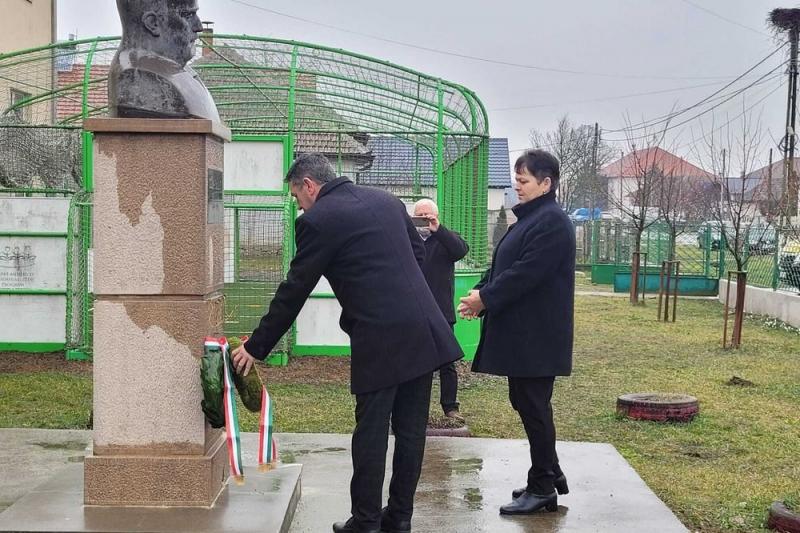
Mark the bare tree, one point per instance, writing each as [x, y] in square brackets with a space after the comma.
[730, 156]
[573, 145]
[682, 195]
[633, 188]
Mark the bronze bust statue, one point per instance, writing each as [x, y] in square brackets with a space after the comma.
[148, 76]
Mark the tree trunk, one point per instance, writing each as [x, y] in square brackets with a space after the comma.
[738, 311]
[635, 260]
[741, 288]
[673, 237]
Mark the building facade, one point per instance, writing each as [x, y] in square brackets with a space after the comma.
[27, 24]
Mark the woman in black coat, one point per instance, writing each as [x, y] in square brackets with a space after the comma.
[526, 300]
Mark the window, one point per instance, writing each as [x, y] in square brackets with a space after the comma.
[17, 97]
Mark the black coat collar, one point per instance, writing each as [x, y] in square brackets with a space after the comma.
[331, 185]
[523, 210]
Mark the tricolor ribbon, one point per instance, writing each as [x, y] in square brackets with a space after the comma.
[232, 434]
[267, 450]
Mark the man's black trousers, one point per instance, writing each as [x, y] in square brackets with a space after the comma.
[406, 405]
[530, 397]
[448, 383]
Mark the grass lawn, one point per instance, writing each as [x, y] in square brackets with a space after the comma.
[718, 473]
[584, 284]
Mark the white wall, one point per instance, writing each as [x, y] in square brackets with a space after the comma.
[318, 321]
[254, 166]
[496, 199]
[619, 192]
[33, 263]
[782, 305]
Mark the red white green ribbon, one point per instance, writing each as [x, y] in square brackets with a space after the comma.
[267, 450]
[232, 434]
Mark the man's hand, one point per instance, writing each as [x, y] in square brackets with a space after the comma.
[242, 361]
[471, 305]
[465, 313]
[433, 222]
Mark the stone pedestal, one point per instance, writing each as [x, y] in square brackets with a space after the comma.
[158, 278]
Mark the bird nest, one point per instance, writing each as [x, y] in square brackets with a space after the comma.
[785, 19]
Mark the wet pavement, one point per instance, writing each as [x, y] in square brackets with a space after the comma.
[463, 483]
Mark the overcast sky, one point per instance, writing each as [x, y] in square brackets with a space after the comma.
[613, 47]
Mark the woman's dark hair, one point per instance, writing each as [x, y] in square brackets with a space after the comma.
[540, 164]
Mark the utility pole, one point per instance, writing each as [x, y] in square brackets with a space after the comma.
[593, 177]
[621, 180]
[770, 197]
[788, 20]
[590, 241]
[791, 175]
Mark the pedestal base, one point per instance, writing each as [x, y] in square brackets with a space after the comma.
[265, 504]
[166, 480]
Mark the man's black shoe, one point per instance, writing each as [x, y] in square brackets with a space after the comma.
[388, 525]
[560, 483]
[351, 527]
[528, 503]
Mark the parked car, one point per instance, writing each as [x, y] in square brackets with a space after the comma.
[711, 227]
[582, 215]
[762, 240]
[789, 264]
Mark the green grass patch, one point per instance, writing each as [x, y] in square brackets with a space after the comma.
[56, 400]
[584, 283]
[718, 473]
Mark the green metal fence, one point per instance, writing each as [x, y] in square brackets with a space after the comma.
[769, 253]
[382, 124]
[80, 301]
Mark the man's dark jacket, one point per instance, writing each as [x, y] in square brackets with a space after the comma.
[363, 241]
[528, 294]
[442, 249]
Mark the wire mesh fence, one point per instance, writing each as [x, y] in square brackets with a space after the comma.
[770, 255]
[39, 158]
[255, 263]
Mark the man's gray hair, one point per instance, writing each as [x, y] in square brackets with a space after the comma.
[314, 166]
[427, 202]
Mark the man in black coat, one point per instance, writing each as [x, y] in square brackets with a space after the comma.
[363, 241]
[526, 300]
[443, 248]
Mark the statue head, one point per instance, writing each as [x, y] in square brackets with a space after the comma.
[168, 28]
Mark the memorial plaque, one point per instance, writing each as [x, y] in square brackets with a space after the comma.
[216, 210]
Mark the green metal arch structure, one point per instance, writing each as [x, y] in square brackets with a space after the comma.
[382, 124]
[322, 98]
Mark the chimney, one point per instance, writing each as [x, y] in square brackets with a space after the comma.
[207, 38]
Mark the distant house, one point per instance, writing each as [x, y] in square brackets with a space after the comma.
[761, 190]
[624, 175]
[500, 182]
[27, 25]
[407, 169]
[69, 104]
[259, 103]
